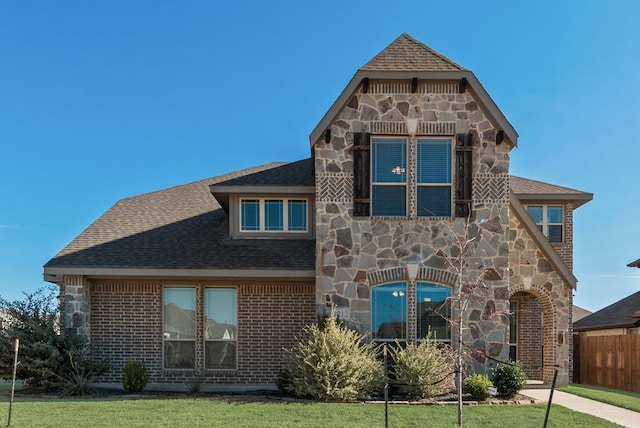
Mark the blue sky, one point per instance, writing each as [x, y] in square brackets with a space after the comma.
[104, 100]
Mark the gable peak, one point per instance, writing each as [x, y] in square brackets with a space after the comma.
[408, 54]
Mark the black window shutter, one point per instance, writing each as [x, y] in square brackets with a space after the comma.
[361, 174]
[464, 169]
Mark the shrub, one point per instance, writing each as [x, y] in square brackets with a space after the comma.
[283, 381]
[194, 385]
[332, 363]
[48, 359]
[478, 386]
[425, 370]
[509, 378]
[84, 369]
[134, 376]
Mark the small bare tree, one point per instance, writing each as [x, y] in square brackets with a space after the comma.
[459, 257]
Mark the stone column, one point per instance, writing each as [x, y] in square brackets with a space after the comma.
[76, 306]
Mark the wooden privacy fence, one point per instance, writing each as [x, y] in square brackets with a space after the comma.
[608, 361]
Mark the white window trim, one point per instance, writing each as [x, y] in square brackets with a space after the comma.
[262, 215]
[232, 340]
[414, 166]
[404, 183]
[452, 173]
[546, 223]
[164, 339]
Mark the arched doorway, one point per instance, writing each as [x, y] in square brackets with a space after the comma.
[531, 335]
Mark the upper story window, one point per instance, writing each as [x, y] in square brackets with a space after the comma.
[389, 177]
[389, 172]
[549, 219]
[434, 178]
[273, 215]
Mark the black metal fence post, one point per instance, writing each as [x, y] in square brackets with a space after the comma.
[553, 386]
[386, 387]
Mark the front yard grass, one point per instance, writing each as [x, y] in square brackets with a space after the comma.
[237, 412]
[624, 399]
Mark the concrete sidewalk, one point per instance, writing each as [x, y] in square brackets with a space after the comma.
[611, 413]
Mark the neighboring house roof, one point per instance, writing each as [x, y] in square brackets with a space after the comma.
[621, 314]
[635, 264]
[577, 313]
[181, 231]
[408, 58]
[532, 190]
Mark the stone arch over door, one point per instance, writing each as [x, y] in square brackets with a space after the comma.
[537, 329]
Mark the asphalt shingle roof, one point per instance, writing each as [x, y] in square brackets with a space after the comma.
[408, 54]
[184, 227]
[619, 314]
[299, 173]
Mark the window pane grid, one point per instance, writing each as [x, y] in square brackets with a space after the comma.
[179, 327]
[549, 219]
[220, 329]
[273, 215]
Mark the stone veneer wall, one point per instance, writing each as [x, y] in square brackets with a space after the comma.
[356, 253]
[532, 273]
[126, 324]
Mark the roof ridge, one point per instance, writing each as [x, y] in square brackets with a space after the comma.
[214, 179]
[406, 53]
[433, 51]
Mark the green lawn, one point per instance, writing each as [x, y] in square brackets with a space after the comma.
[195, 412]
[624, 399]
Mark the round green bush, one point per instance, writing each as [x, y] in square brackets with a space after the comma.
[134, 376]
[478, 386]
[509, 378]
[424, 370]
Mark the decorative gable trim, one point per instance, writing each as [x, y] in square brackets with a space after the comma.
[491, 188]
[424, 128]
[407, 87]
[334, 187]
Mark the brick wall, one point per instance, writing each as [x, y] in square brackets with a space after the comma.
[126, 323]
[565, 249]
[530, 334]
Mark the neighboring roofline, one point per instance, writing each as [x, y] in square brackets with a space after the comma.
[543, 243]
[635, 264]
[606, 326]
[489, 106]
[54, 274]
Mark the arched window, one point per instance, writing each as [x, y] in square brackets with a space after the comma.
[433, 311]
[389, 315]
[389, 311]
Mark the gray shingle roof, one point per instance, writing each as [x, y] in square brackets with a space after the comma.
[182, 227]
[527, 189]
[408, 54]
[299, 173]
[616, 315]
